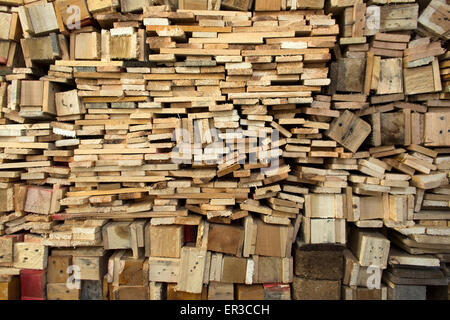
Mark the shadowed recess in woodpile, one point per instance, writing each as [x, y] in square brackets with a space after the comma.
[224, 149]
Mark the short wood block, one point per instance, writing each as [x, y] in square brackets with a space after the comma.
[57, 269]
[181, 295]
[92, 268]
[29, 255]
[226, 238]
[359, 293]
[166, 241]
[406, 292]
[273, 240]
[310, 289]
[132, 273]
[249, 292]
[163, 269]
[321, 261]
[91, 290]
[234, 269]
[10, 288]
[33, 284]
[132, 293]
[277, 291]
[220, 291]
[60, 291]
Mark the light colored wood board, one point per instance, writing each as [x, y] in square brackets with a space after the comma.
[192, 268]
[166, 241]
[390, 80]
[349, 130]
[30, 255]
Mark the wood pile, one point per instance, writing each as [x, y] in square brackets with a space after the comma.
[224, 150]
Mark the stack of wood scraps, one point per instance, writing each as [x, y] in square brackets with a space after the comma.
[225, 150]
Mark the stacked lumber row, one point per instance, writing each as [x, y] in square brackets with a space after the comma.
[32, 180]
[110, 181]
[34, 156]
[391, 73]
[215, 65]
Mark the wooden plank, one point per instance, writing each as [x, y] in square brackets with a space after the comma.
[192, 268]
[349, 130]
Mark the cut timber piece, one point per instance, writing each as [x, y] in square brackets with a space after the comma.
[370, 247]
[33, 283]
[324, 206]
[399, 17]
[163, 269]
[359, 293]
[220, 291]
[392, 128]
[312, 289]
[192, 4]
[277, 291]
[6, 250]
[390, 37]
[435, 19]
[327, 231]
[351, 75]
[254, 206]
[157, 290]
[123, 45]
[437, 126]
[352, 269]
[370, 208]
[398, 208]
[373, 20]
[406, 292]
[95, 5]
[42, 200]
[87, 46]
[9, 288]
[43, 18]
[250, 236]
[234, 270]
[166, 241]
[91, 268]
[167, 57]
[267, 5]
[57, 268]
[66, 8]
[249, 292]
[226, 239]
[403, 258]
[132, 271]
[192, 268]
[131, 293]
[31, 93]
[309, 4]
[349, 130]
[272, 269]
[6, 200]
[39, 94]
[273, 240]
[431, 181]
[390, 79]
[68, 103]
[317, 231]
[29, 255]
[60, 291]
[419, 80]
[173, 294]
[116, 235]
[319, 261]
